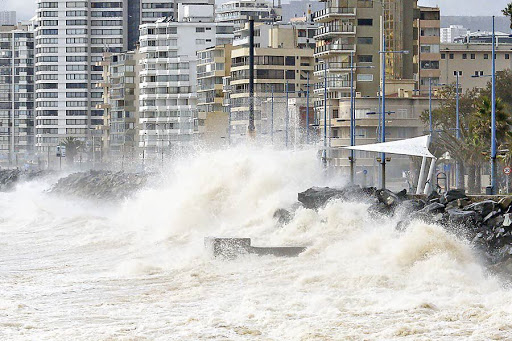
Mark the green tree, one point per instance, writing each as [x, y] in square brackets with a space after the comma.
[73, 146]
[503, 88]
[507, 11]
[472, 149]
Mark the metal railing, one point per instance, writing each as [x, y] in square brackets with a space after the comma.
[335, 47]
[335, 10]
[336, 29]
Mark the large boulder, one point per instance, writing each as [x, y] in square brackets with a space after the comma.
[316, 197]
[483, 208]
[452, 195]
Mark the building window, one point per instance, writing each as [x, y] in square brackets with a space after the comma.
[455, 73]
[443, 56]
[365, 40]
[464, 56]
[199, 29]
[486, 56]
[451, 56]
[473, 56]
[507, 56]
[365, 58]
[365, 22]
[365, 78]
[290, 61]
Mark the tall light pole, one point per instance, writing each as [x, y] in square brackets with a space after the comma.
[383, 108]
[430, 105]
[459, 180]
[352, 120]
[324, 154]
[287, 114]
[307, 110]
[493, 114]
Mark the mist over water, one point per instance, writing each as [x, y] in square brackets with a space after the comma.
[72, 269]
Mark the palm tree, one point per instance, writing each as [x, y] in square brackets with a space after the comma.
[481, 130]
[507, 11]
[73, 146]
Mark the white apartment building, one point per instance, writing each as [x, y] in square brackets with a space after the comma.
[168, 76]
[70, 38]
[238, 12]
[448, 34]
[16, 94]
[7, 18]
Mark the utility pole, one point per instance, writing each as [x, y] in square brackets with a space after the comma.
[307, 110]
[272, 114]
[287, 117]
[352, 121]
[430, 105]
[324, 154]
[383, 123]
[459, 178]
[251, 127]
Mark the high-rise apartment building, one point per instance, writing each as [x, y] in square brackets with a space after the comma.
[16, 94]
[282, 69]
[168, 77]
[238, 12]
[351, 39]
[8, 18]
[121, 104]
[427, 54]
[71, 38]
[213, 65]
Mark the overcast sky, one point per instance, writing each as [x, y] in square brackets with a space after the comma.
[26, 8]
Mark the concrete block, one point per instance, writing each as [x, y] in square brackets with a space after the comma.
[232, 247]
[227, 247]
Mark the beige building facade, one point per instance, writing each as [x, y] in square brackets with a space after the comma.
[213, 65]
[120, 104]
[473, 63]
[350, 41]
[282, 70]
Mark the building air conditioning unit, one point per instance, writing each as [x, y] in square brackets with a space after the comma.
[359, 94]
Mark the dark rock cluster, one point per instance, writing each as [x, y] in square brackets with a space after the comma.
[487, 223]
[100, 184]
[10, 177]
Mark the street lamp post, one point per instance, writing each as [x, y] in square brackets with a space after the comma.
[352, 120]
[307, 110]
[493, 114]
[383, 108]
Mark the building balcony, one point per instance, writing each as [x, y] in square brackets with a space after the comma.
[331, 13]
[103, 106]
[333, 85]
[334, 31]
[332, 67]
[334, 49]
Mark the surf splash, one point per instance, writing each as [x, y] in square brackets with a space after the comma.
[78, 269]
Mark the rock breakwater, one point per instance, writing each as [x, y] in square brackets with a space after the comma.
[100, 184]
[10, 177]
[486, 223]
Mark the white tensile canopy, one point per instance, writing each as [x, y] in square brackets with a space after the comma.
[417, 146]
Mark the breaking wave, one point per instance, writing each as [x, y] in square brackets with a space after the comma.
[77, 269]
